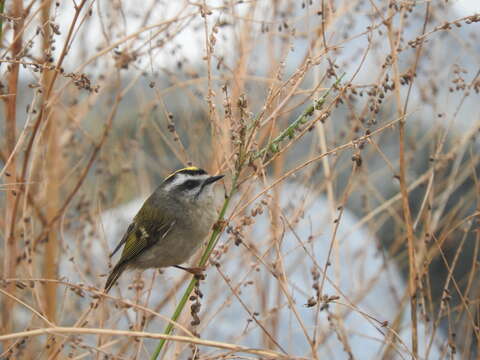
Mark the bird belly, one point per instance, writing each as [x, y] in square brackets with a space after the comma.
[172, 250]
[179, 244]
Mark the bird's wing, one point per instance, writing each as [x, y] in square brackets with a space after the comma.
[124, 238]
[143, 238]
[149, 226]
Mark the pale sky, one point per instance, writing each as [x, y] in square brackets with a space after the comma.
[468, 7]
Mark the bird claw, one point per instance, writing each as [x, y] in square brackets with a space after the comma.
[197, 271]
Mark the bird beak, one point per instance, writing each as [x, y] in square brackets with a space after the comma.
[212, 179]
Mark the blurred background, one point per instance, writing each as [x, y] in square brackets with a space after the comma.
[348, 133]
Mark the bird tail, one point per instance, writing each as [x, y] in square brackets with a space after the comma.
[114, 275]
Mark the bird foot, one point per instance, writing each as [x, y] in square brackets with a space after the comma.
[198, 271]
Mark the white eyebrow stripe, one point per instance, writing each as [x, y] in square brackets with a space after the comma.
[178, 179]
[181, 178]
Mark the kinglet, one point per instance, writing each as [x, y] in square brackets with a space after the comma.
[171, 224]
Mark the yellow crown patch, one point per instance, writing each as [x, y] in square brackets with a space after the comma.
[193, 170]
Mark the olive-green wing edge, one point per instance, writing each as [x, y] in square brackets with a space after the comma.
[133, 248]
[135, 244]
[124, 239]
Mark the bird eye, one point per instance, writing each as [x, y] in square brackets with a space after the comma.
[190, 184]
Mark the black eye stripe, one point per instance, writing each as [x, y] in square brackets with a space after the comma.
[188, 185]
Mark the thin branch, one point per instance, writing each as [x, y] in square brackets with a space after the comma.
[183, 339]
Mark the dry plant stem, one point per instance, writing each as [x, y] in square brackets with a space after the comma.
[439, 243]
[143, 322]
[35, 312]
[10, 246]
[205, 12]
[59, 213]
[351, 302]
[275, 287]
[459, 292]
[474, 267]
[457, 165]
[26, 21]
[82, 320]
[289, 132]
[27, 154]
[56, 349]
[228, 299]
[410, 237]
[53, 169]
[100, 349]
[277, 233]
[250, 313]
[421, 179]
[48, 91]
[334, 234]
[451, 268]
[96, 294]
[305, 129]
[7, 160]
[314, 160]
[329, 181]
[298, 77]
[177, 146]
[142, 334]
[412, 280]
[283, 287]
[412, 275]
[203, 261]
[85, 171]
[123, 40]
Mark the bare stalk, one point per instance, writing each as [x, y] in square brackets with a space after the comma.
[10, 245]
[52, 171]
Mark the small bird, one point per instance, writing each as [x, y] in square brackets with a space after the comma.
[171, 224]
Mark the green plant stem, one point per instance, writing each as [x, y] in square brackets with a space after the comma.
[205, 256]
[289, 132]
[272, 146]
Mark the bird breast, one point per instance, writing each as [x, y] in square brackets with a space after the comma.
[191, 225]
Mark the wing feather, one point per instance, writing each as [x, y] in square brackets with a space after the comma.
[149, 226]
[124, 239]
